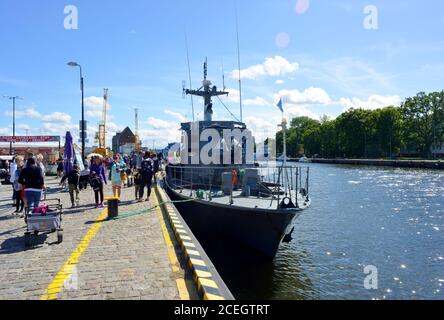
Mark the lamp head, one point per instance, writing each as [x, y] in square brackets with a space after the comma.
[73, 64]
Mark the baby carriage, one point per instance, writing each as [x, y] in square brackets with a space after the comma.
[47, 218]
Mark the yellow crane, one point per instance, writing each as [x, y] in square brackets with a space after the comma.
[102, 127]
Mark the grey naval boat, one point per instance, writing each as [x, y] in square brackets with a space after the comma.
[249, 205]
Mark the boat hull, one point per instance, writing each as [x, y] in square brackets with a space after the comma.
[257, 232]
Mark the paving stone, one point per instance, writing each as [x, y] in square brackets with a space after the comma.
[127, 258]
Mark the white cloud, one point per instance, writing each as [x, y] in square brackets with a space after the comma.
[5, 131]
[263, 126]
[258, 101]
[161, 136]
[29, 112]
[273, 67]
[112, 127]
[373, 102]
[309, 96]
[349, 75]
[294, 111]
[58, 128]
[32, 112]
[158, 123]
[279, 82]
[58, 117]
[180, 117]
[233, 97]
[23, 126]
[94, 106]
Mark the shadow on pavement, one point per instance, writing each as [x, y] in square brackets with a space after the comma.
[17, 244]
[12, 231]
[7, 217]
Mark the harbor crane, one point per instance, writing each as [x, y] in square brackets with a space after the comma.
[102, 127]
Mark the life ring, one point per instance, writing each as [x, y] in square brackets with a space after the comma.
[234, 178]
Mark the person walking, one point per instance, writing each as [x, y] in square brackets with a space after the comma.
[137, 183]
[139, 160]
[98, 178]
[32, 178]
[39, 159]
[146, 172]
[73, 184]
[134, 160]
[156, 165]
[12, 170]
[60, 168]
[117, 175]
[19, 203]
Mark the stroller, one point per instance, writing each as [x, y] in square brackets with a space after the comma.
[45, 219]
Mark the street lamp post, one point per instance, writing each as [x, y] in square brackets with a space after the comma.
[13, 120]
[75, 64]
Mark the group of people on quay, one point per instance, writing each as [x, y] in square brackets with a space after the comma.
[27, 177]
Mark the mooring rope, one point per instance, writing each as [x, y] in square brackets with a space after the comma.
[131, 214]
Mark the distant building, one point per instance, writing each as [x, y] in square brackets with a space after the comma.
[124, 142]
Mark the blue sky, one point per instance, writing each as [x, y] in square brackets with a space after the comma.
[316, 54]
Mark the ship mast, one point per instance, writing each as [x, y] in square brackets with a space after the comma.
[207, 92]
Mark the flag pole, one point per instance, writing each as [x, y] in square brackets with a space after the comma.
[284, 128]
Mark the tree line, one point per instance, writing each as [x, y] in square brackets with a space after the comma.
[415, 128]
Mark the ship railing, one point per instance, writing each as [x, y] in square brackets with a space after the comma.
[286, 186]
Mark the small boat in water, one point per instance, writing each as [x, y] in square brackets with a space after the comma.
[304, 159]
[241, 202]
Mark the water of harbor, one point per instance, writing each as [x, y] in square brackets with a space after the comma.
[392, 219]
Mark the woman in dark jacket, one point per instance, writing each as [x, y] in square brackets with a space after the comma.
[98, 178]
[32, 178]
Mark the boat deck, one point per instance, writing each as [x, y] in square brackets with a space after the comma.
[239, 200]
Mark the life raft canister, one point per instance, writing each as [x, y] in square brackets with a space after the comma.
[234, 178]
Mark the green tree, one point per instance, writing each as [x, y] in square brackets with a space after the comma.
[388, 125]
[355, 131]
[329, 139]
[423, 117]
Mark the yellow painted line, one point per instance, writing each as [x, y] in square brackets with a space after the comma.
[183, 291]
[188, 244]
[197, 262]
[202, 274]
[209, 296]
[193, 252]
[208, 283]
[202, 278]
[68, 268]
[180, 283]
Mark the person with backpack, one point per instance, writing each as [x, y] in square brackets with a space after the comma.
[98, 178]
[156, 165]
[32, 178]
[146, 172]
[73, 184]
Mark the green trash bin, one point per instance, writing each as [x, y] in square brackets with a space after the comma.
[113, 207]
